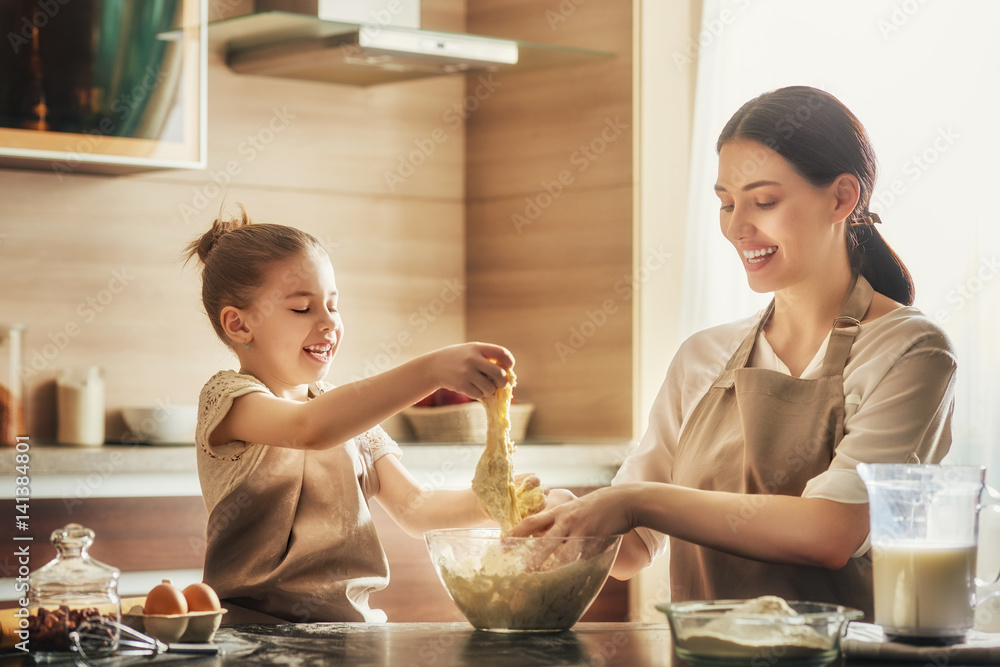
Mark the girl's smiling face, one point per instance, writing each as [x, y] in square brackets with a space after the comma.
[295, 325]
[781, 225]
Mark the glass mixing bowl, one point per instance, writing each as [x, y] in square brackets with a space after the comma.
[723, 633]
[521, 584]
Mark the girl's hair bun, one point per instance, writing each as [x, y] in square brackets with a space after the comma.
[235, 257]
[204, 244]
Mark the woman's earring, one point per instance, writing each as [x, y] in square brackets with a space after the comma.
[246, 346]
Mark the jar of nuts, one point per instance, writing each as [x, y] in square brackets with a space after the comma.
[69, 591]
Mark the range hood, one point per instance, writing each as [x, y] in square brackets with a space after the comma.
[303, 44]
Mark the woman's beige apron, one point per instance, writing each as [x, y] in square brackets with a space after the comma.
[758, 431]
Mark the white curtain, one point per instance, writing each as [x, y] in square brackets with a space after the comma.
[923, 78]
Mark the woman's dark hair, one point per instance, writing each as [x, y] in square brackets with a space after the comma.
[822, 139]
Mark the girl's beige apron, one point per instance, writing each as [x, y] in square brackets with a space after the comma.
[758, 431]
[297, 543]
[294, 539]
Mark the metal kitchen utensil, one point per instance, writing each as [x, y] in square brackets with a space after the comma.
[94, 641]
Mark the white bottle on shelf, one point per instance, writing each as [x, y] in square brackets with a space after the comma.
[80, 401]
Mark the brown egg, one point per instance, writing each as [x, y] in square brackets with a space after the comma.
[165, 599]
[202, 597]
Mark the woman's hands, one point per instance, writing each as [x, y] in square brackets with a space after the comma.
[790, 530]
[605, 511]
[474, 369]
[524, 480]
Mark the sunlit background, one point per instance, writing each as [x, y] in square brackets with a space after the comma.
[922, 78]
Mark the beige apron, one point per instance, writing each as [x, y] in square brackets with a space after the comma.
[758, 431]
[295, 540]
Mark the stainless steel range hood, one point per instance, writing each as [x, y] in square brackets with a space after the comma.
[304, 46]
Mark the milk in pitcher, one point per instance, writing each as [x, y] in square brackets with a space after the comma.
[924, 589]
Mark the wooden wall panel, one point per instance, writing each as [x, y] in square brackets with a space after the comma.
[550, 217]
[559, 294]
[395, 252]
[446, 15]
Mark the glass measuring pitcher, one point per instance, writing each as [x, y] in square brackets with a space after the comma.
[925, 535]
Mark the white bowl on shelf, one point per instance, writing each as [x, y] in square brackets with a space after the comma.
[162, 424]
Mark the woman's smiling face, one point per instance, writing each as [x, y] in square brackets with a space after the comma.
[778, 221]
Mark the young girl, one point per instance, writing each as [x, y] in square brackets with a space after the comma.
[288, 463]
[748, 464]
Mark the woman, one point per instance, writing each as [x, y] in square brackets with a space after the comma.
[748, 464]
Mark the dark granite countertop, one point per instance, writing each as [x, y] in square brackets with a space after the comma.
[414, 645]
[437, 645]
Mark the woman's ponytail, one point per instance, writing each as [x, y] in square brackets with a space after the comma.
[872, 257]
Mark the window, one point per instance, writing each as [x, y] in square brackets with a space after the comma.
[922, 77]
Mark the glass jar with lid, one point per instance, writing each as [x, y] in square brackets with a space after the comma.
[11, 384]
[68, 591]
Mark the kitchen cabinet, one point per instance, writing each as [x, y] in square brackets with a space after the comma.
[128, 94]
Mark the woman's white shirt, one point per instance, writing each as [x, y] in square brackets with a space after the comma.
[899, 387]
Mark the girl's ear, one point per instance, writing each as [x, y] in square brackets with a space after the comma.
[234, 325]
[846, 191]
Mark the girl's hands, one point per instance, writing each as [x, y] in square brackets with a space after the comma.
[474, 369]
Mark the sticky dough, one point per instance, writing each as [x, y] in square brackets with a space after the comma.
[493, 482]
